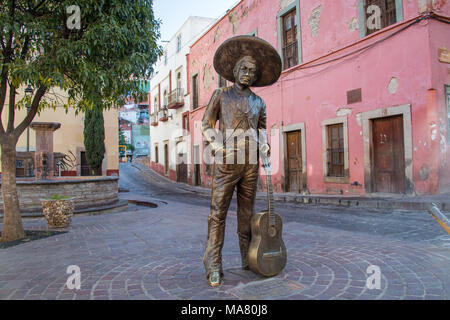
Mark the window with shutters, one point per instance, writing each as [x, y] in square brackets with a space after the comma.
[195, 91]
[289, 39]
[335, 150]
[375, 15]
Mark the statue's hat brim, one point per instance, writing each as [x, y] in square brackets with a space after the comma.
[268, 61]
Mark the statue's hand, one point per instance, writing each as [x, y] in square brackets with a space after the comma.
[218, 148]
[265, 150]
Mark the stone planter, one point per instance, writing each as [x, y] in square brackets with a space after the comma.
[58, 212]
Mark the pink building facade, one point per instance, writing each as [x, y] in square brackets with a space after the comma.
[362, 104]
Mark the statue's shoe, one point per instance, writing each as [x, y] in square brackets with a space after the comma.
[215, 279]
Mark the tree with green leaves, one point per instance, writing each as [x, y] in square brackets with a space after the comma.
[94, 138]
[98, 52]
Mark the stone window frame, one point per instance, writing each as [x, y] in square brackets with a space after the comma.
[362, 16]
[78, 152]
[185, 115]
[156, 149]
[294, 5]
[166, 143]
[325, 124]
[165, 98]
[179, 72]
[284, 130]
[367, 116]
[155, 105]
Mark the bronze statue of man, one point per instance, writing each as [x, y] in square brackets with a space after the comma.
[246, 61]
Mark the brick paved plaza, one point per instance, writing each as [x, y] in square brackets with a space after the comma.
[156, 253]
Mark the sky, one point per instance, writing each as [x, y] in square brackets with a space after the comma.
[173, 13]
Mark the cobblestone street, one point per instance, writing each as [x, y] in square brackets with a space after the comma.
[156, 253]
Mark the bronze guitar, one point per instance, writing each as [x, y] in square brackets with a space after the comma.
[267, 253]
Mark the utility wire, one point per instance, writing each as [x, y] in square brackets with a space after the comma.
[360, 50]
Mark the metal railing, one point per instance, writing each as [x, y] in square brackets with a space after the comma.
[176, 97]
[163, 114]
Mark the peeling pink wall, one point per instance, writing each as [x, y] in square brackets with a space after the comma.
[312, 95]
[439, 38]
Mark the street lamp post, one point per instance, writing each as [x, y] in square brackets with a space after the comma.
[28, 93]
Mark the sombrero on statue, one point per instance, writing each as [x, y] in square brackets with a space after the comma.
[267, 59]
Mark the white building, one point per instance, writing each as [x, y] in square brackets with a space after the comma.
[170, 102]
[129, 112]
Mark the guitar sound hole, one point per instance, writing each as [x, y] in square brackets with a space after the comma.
[272, 231]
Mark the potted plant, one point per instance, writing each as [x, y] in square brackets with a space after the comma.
[58, 210]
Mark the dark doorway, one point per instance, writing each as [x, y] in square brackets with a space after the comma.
[166, 158]
[294, 161]
[85, 170]
[388, 155]
[182, 175]
[197, 167]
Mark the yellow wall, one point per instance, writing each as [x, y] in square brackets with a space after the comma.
[70, 135]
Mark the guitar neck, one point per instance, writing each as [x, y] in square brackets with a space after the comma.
[270, 196]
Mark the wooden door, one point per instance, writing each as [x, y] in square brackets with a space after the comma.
[182, 169]
[85, 169]
[294, 161]
[388, 156]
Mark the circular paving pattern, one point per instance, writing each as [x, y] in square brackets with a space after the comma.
[157, 254]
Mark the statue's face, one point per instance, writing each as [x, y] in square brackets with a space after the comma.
[245, 74]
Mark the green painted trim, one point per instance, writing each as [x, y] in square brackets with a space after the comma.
[362, 18]
[280, 40]
[254, 32]
[299, 33]
[362, 15]
[295, 5]
[399, 10]
[288, 8]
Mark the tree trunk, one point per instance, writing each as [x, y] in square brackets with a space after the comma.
[12, 220]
